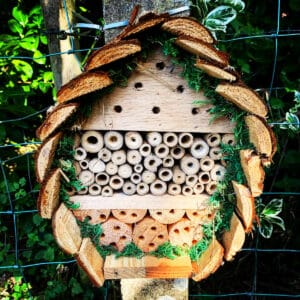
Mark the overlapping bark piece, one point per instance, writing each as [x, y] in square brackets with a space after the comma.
[216, 71]
[44, 156]
[233, 240]
[112, 52]
[185, 233]
[148, 234]
[245, 206]
[91, 262]
[189, 27]
[48, 199]
[253, 171]
[262, 137]
[243, 97]
[116, 233]
[55, 119]
[95, 216]
[167, 216]
[204, 50]
[83, 84]
[201, 216]
[66, 230]
[209, 261]
[129, 215]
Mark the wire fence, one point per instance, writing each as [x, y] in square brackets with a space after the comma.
[14, 213]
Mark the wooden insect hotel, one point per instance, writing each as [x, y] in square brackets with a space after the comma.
[139, 172]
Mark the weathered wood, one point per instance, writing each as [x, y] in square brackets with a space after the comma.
[66, 66]
[156, 98]
[122, 201]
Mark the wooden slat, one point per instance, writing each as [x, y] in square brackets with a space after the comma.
[147, 267]
[121, 201]
[163, 89]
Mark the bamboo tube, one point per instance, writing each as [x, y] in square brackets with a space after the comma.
[178, 175]
[84, 190]
[77, 167]
[148, 234]
[96, 165]
[191, 180]
[170, 139]
[184, 233]
[204, 177]
[118, 157]
[104, 154]
[116, 182]
[168, 161]
[129, 188]
[107, 191]
[206, 164]
[136, 178]
[199, 148]
[133, 140]
[125, 171]
[185, 140]
[95, 216]
[154, 138]
[161, 150]
[84, 164]
[203, 216]
[148, 177]
[129, 216]
[217, 173]
[94, 189]
[142, 188]
[211, 187]
[92, 141]
[187, 190]
[102, 178]
[113, 140]
[116, 233]
[77, 140]
[177, 152]
[145, 149]
[80, 154]
[228, 138]
[213, 139]
[189, 165]
[174, 189]
[166, 216]
[158, 187]
[138, 168]
[111, 168]
[152, 162]
[215, 153]
[134, 157]
[165, 174]
[86, 177]
[198, 188]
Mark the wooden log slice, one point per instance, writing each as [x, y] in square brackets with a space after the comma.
[185, 233]
[116, 233]
[129, 216]
[94, 216]
[201, 216]
[167, 216]
[148, 234]
[91, 262]
[66, 230]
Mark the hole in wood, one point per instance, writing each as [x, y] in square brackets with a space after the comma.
[180, 88]
[195, 110]
[172, 211]
[123, 213]
[134, 215]
[158, 185]
[209, 215]
[159, 213]
[123, 237]
[113, 139]
[190, 164]
[195, 214]
[151, 245]
[176, 231]
[117, 227]
[153, 228]
[187, 229]
[194, 242]
[151, 162]
[116, 181]
[141, 237]
[156, 110]
[118, 108]
[176, 150]
[102, 217]
[160, 236]
[138, 85]
[113, 245]
[205, 177]
[160, 65]
[102, 235]
[92, 140]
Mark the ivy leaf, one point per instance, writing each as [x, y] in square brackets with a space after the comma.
[23, 67]
[39, 58]
[20, 16]
[239, 5]
[292, 120]
[30, 43]
[273, 208]
[279, 222]
[265, 228]
[15, 26]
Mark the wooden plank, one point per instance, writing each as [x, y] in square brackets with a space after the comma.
[155, 100]
[147, 267]
[122, 201]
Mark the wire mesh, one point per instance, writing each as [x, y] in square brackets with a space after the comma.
[14, 213]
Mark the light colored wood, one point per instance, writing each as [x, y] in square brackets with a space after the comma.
[147, 267]
[162, 90]
[121, 201]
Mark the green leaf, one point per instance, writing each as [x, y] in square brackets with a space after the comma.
[20, 16]
[48, 76]
[23, 67]
[30, 43]
[43, 40]
[39, 58]
[75, 287]
[279, 222]
[35, 11]
[273, 208]
[14, 26]
[239, 5]
[49, 254]
[292, 120]
[265, 228]
[276, 103]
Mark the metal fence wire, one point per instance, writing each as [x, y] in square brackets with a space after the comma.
[11, 213]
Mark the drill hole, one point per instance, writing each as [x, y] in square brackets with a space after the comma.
[180, 88]
[138, 85]
[160, 65]
[118, 108]
[156, 110]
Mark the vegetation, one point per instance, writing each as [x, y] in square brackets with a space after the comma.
[27, 88]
